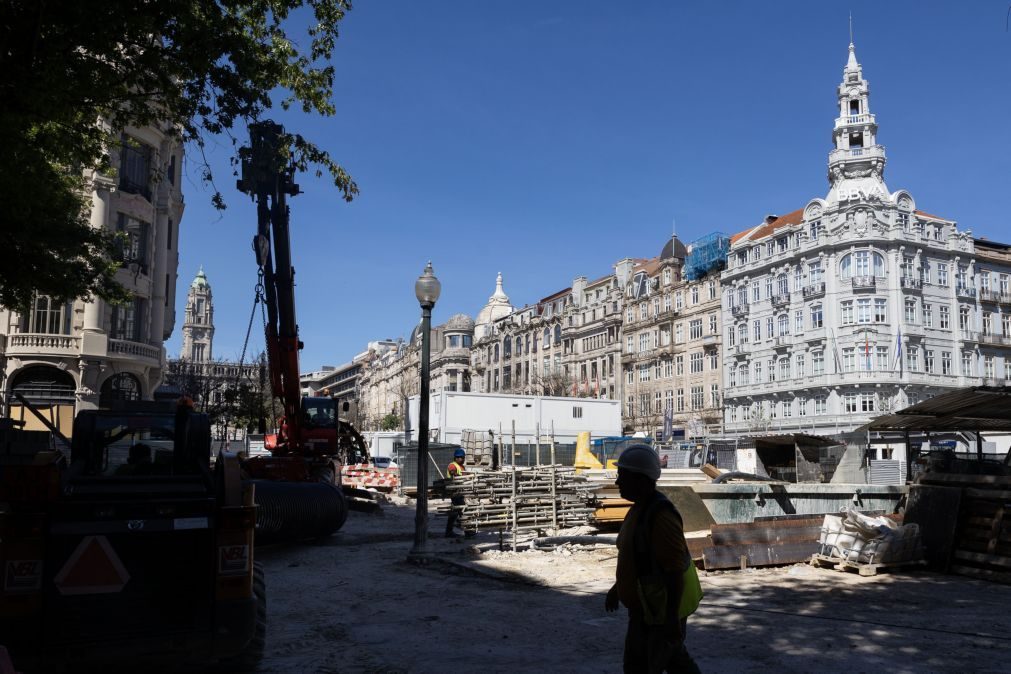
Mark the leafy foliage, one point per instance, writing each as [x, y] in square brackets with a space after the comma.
[74, 73]
[390, 422]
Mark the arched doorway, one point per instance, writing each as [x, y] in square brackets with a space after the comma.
[119, 387]
[50, 390]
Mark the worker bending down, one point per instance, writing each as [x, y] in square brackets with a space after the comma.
[655, 579]
[456, 469]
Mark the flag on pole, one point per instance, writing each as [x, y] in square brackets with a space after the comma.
[835, 353]
[897, 363]
[668, 424]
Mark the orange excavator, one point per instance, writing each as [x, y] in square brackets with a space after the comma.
[312, 441]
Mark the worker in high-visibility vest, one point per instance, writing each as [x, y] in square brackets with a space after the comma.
[655, 578]
[456, 469]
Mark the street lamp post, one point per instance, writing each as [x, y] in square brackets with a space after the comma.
[426, 289]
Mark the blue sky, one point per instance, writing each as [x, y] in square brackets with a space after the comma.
[547, 140]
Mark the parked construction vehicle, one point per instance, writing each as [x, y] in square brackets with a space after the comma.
[134, 553]
[300, 482]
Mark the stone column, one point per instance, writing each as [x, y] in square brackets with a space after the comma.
[100, 219]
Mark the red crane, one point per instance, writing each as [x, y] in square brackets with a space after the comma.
[311, 440]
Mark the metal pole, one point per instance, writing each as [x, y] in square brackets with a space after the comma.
[421, 513]
[537, 430]
[500, 457]
[554, 498]
[515, 523]
[979, 452]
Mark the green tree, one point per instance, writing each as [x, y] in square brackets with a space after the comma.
[74, 73]
[390, 422]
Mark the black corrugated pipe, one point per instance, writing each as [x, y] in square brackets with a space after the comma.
[293, 511]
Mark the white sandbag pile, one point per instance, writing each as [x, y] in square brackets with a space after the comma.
[859, 538]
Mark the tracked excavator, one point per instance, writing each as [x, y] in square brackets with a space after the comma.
[299, 485]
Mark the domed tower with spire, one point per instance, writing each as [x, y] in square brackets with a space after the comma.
[198, 325]
[498, 306]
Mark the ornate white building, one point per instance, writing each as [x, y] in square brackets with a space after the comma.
[86, 354]
[858, 303]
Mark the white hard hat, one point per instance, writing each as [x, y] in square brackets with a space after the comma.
[641, 459]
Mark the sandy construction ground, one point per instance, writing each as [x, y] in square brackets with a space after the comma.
[352, 603]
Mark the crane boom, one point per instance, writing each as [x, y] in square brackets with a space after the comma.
[268, 178]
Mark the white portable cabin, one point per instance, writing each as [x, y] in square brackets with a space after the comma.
[452, 412]
[381, 442]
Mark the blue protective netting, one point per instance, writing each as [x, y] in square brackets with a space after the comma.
[706, 254]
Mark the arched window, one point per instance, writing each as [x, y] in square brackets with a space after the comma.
[44, 385]
[507, 347]
[862, 263]
[519, 346]
[547, 337]
[558, 334]
[783, 325]
[122, 386]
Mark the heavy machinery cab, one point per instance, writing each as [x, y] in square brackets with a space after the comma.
[136, 549]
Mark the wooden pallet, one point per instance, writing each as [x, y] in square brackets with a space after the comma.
[864, 569]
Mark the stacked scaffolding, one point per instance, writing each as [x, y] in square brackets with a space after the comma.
[706, 255]
[515, 499]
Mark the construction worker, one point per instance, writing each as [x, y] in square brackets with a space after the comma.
[456, 469]
[655, 578]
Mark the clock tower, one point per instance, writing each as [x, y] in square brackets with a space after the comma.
[198, 326]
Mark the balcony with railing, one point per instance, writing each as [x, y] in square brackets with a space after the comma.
[994, 338]
[863, 282]
[781, 300]
[814, 290]
[32, 343]
[872, 152]
[965, 292]
[911, 283]
[988, 295]
[125, 347]
[847, 120]
[969, 336]
[782, 341]
[739, 310]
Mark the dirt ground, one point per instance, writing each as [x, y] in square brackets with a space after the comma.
[352, 603]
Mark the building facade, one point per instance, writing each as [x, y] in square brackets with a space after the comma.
[391, 375]
[859, 303]
[671, 357]
[88, 354]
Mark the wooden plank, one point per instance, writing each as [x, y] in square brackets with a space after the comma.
[985, 574]
[729, 556]
[981, 558]
[935, 510]
[766, 536]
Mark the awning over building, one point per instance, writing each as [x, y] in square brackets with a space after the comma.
[977, 408]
